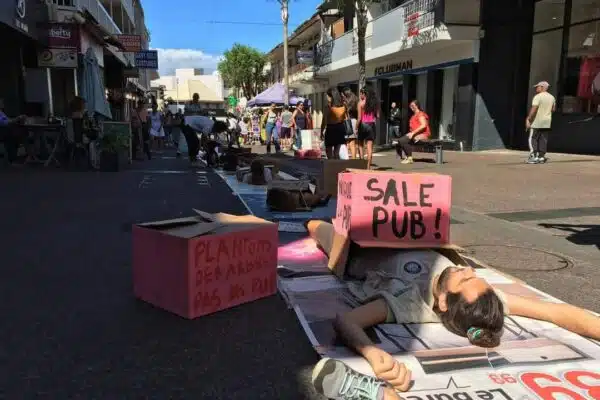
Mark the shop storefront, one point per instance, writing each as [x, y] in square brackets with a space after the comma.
[19, 22]
[565, 51]
[429, 74]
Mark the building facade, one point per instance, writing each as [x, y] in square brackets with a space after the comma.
[19, 28]
[45, 45]
[471, 64]
[179, 88]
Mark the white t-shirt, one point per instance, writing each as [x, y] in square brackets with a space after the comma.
[544, 102]
[404, 279]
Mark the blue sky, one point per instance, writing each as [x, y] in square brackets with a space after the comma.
[194, 33]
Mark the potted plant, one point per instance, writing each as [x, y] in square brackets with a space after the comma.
[112, 147]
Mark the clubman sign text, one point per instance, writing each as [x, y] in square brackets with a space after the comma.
[396, 67]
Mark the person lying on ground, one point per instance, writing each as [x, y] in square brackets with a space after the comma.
[259, 174]
[432, 289]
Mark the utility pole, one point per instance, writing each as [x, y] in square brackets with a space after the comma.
[286, 78]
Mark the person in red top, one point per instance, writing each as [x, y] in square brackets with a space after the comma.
[419, 130]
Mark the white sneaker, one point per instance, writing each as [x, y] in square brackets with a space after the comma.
[335, 380]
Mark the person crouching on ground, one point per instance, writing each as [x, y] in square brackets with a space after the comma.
[419, 130]
[436, 290]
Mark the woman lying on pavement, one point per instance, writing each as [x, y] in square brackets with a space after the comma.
[431, 289]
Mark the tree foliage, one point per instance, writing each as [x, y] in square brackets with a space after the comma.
[242, 68]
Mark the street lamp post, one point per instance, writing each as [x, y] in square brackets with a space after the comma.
[286, 79]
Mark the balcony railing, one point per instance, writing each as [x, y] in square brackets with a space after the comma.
[96, 9]
[403, 22]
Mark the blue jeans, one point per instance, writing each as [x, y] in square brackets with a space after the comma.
[298, 141]
[271, 131]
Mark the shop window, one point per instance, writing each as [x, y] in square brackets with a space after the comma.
[581, 85]
[548, 14]
[545, 60]
[584, 10]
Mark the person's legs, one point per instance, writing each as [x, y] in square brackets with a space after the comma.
[268, 133]
[351, 143]
[369, 153]
[406, 146]
[530, 142]
[336, 151]
[298, 139]
[193, 144]
[542, 145]
[334, 245]
[400, 143]
[535, 146]
[360, 147]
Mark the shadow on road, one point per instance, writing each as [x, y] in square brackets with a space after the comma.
[585, 235]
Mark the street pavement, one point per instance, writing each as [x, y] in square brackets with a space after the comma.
[72, 328]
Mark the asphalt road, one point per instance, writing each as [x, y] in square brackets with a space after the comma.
[71, 327]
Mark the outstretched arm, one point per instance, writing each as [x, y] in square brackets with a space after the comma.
[351, 329]
[567, 316]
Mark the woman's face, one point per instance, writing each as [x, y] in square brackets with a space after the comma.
[329, 99]
[363, 95]
[413, 107]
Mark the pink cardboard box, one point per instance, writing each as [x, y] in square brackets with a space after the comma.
[393, 209]
[203, 264]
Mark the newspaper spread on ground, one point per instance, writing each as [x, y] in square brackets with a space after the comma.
[535, 359]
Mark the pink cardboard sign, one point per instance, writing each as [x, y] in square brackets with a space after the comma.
[385, 209]
[194, 275]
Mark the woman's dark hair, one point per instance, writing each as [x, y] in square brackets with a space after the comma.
[371, 103]
[257, 173]
[481, 321]
[77, 104]
[336, 97]
[417, 104]
[351, 100]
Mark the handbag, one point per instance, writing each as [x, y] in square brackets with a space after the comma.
[348, 127]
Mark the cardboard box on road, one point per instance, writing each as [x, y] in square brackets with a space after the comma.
[206, 263]
[327, 180]
[394, 209]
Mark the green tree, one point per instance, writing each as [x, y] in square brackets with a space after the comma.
[242, 68]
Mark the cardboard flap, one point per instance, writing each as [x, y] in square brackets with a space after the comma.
[170, 223]
[187, 227]
[291, 185]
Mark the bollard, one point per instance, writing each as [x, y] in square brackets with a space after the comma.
[439, 154]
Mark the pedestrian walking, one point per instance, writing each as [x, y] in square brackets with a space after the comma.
[368, 112]
[539, 122]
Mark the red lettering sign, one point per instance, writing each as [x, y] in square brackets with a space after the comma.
[574, 384]
[225, 271]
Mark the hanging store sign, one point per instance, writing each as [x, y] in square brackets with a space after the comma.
[395, 67]
[305, 57]
[62, 36]
[147, 59]
[21, 14]
[57, 58]
[130, 43]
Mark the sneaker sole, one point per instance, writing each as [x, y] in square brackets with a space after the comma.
[323, 368]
